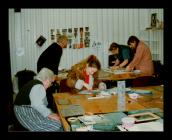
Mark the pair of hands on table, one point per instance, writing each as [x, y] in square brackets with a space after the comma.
[129, 69]
[114, 67]
[102, 86]
[87, 86]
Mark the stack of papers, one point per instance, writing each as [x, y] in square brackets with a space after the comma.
[92, 119]
[148, 126]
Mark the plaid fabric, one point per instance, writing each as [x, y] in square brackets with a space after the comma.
[34, 121]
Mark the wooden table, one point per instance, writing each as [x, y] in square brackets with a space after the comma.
[104, 76]
[109, 104]
[152, 101]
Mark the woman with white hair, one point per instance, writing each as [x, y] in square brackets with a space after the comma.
[30, 105]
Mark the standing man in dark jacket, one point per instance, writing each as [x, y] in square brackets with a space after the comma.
[50, 59]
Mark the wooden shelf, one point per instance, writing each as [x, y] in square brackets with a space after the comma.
[153, 29]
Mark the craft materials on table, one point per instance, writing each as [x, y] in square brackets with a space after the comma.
[63, 102]
[147, 126]
[139, 91]
[146, 116]
[72, 110]
[92, 119]
[127, 122]
[105, 91]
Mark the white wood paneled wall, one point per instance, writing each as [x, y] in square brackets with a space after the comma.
[105, 26]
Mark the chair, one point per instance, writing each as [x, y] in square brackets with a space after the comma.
[142, 81]
[155, 79]
[158, 76]
[63, 86]
[23, 77]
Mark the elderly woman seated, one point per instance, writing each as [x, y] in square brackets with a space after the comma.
[30, 106]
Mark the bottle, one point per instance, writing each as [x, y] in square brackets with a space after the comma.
[121, 95]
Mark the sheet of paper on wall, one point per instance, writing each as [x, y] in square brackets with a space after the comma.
[20, 51]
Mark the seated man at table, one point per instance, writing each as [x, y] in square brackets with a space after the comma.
[84, 75]
[30, 105]
[122, 55]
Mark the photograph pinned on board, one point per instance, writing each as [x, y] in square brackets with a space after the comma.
[81, 37]
[76, 43]
[52, 34]
[87, 37]
[75, 32]
[58, 33]
[64, 32]
[70, 37]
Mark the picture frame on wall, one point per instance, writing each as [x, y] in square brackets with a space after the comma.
[40, 41]
[153, 20]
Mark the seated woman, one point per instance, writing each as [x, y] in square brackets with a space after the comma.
[30, 106]
[84, 75]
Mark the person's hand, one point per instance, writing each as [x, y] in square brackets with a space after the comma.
[54, 117]
[115, 67]
[128, 68]
[88, 87]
